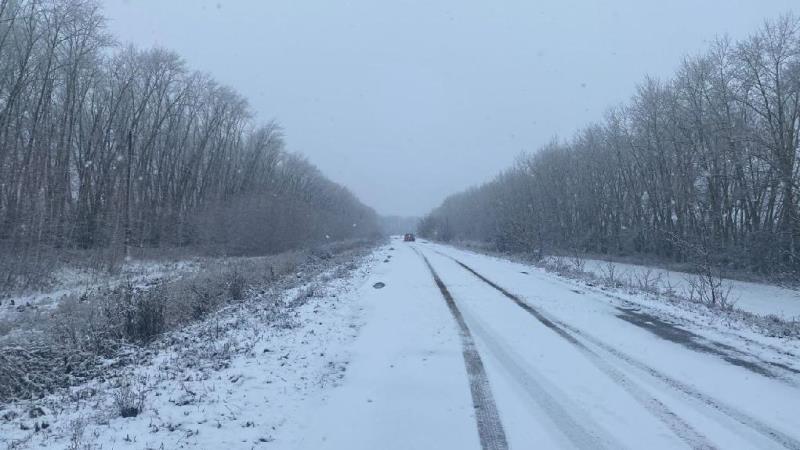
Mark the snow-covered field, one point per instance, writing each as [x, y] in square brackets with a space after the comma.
[70, 281]
[757, 298]
[490, 354]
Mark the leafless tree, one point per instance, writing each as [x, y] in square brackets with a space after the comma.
[104, 146]
[711, 155]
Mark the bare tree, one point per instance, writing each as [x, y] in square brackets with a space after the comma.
[115, 147]
[711, 155]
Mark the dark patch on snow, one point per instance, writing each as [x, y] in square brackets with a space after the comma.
[379, 285]
[692, 341]
[784, 367]
[128, 412]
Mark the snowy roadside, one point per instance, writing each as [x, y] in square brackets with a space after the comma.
[74, 281]
[762, 299]
[233, 379]
[771, 337]
[757, 298]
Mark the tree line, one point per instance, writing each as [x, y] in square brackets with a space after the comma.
[704, 164]
[104, 145]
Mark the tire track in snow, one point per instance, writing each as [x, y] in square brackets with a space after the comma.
[573, 428]
[579, 429]
[490, 427]
[777, 436]
[661, 411]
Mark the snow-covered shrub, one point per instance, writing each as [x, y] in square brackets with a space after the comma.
[578, 263]
[237, 284]
[82, 326]
[648, 281]
[558, 264]
[304, 295]
[202, 299]
[610, 275]
[141, 314]
[710, 288]
[27, 373]
[129, 399]
[77, 441]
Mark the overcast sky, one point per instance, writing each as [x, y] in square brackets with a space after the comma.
[406, 102]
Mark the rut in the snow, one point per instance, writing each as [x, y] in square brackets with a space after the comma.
[678, 425]
[692, 341]
[566, 416]
[490, 428]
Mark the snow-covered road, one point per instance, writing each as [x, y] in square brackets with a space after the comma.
[523, 359]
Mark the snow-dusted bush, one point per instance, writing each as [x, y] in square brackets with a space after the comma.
[648, 281]
[557, 264]
[143, 314]
[237, 283]
[611, 276]
[28, 373]
[578, 263]
[129, 398]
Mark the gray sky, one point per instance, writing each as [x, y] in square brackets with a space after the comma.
[408, 101]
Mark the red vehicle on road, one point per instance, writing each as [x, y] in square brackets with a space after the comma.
[409, 237]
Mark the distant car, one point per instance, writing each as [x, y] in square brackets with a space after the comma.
[409, 237]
